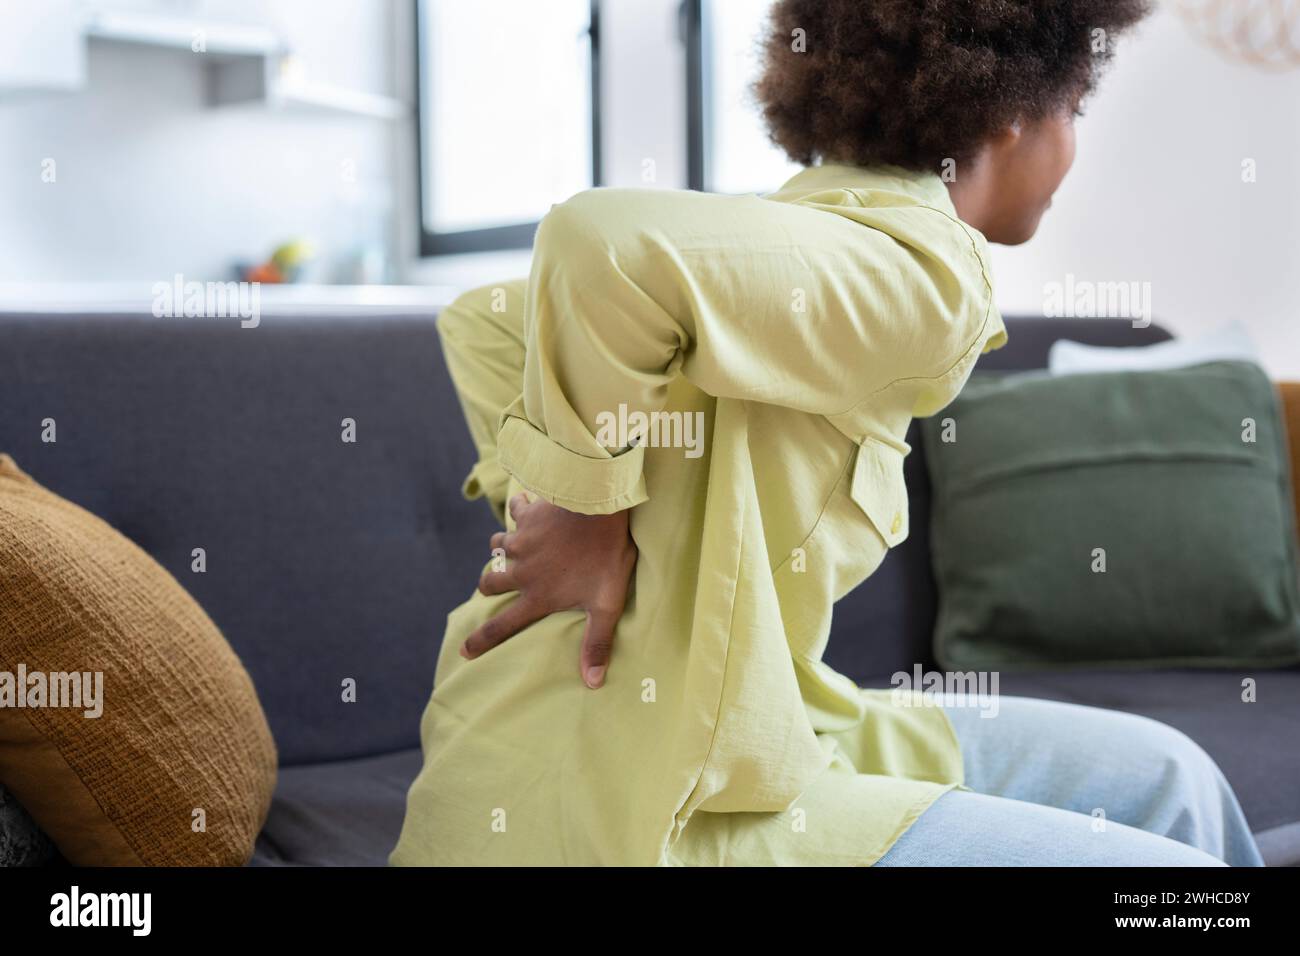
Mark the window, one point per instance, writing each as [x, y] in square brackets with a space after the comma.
[508, 117]
[729, 148]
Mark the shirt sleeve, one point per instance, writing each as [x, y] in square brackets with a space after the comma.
[748, 298]
[482, 334]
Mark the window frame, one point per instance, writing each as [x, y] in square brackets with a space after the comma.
[491, 238]
[697, 31]
[694, 28]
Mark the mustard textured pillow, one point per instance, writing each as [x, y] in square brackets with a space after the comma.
[178, 766]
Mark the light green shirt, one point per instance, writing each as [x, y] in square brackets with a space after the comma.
[804, 329]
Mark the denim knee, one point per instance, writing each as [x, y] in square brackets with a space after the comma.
[1183, 763]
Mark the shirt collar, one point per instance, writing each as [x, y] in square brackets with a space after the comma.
[924, 186]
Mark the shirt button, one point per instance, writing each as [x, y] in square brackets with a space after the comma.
[898, 523]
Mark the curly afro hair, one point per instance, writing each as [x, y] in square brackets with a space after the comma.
[914, 82]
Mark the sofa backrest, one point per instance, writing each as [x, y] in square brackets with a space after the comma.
[325, 560]
[328, 560]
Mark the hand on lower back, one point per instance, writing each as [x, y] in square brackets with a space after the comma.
[558, 561]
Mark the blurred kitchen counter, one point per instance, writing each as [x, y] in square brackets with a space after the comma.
[119, 297]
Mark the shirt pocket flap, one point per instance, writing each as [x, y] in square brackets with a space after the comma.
[879, 490]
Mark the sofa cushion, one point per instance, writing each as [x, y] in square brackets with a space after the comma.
[342, 813]
[1289, 393]
[128, 728]
[888, 620]
[1138, 518]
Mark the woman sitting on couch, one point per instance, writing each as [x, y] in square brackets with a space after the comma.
[805, 329]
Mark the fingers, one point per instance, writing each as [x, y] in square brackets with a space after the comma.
[597, 646]
[503, 546]
[496, 630]
[518, 505]
[498, 582]
[507, 541]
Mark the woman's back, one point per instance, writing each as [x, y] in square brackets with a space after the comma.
[769, 484]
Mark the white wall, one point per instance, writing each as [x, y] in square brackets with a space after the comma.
[151, 181]
[1156, 194]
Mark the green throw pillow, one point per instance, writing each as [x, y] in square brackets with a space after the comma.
[1113, 519]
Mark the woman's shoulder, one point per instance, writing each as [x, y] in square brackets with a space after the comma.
[623, 217]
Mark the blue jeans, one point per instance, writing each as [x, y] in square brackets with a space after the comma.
[1062, 784]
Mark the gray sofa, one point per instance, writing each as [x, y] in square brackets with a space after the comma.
[328, 560]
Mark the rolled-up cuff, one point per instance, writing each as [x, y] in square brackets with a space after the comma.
[486, 478]
[593, 486]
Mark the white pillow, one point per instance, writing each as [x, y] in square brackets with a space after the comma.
[1228, 342]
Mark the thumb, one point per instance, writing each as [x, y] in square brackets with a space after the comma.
[597, 645]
